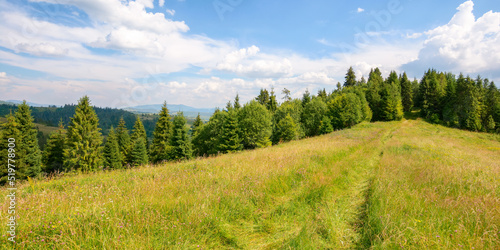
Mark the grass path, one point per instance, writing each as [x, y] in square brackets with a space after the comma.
[378, 185]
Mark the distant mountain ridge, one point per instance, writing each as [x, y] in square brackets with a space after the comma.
[173, 108]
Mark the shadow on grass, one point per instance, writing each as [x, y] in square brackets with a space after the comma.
[413, 115]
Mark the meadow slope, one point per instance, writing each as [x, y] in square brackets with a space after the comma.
[378, 185]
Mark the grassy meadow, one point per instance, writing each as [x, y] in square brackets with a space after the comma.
[405, 184]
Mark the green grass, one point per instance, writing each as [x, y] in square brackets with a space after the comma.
[46, 130]
[389, 185]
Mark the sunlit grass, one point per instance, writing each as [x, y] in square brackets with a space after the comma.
[382, 185]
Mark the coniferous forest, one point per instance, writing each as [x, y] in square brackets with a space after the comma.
[78, 145]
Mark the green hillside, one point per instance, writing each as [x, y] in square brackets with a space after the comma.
[389, 185]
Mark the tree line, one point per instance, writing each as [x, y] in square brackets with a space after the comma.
[463, 102]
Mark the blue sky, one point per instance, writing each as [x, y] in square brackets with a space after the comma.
[201, 53]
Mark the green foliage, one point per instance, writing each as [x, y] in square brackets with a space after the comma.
[312, 116]
[229, 140]
[306, 97]
[237, 104]
[139, 152]
[350, 78]
[111, 153]
[293, 109]
[28, 143]
[53, 156]
[255, 123]
[10, 129]
[375, 84]
[286, 129]
[123, 139]
[160, 148]
[345, 110]
[83, 140]
[326, 126]
[272, 105]
[263, 97]
[139, 131]
[181, 145]
[406, 93]
[468, 104]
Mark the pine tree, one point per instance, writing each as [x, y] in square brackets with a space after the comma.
[237, 104]
[180, 140]
[139, 152]
[406, 93]
[469, 107]
[160, 149]
[375, 84]
[11, 130]
[83, 140]
[263, 97]
[111, 153]
[350, 78]
[306, 97]
[123, 139]
[197, 124]
[287, 129]
[53, 156]
[139, 131]
[229, 140]
[29, 141]
[272, 105]
[229, 106]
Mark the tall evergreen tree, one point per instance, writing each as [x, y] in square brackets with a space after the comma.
[350, 78]
[406, 93]
[139, 131]
[197, 124]
[123, 139]
[263, 97]
[10, 129]
[83, 140]
[111, 153]
[272, 105]
[306, 97]
[469, 106]
[28, 141]
[375, 84]
[139, 152]
[229, 140]
[160, 149]
[180, 140]
[53, 156]
[237, 104]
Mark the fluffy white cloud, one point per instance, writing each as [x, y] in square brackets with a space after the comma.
[249, 62]
[161, 3]
[360, 10]
[465, 44]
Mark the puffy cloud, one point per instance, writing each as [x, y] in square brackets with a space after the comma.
[42, 49]
[360, 10]
[161, 3]
[3, 75]
[248, 62]
[465, 44]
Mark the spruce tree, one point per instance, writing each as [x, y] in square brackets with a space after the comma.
[180, 140]
[160, 149]
[139, 131]
[53, 156]
[237, 104]
[83, 141]
[29, 141]
[123, 139]
[272, 105]
[229, 140]
[406, 93]
[111, 153]
[350, 78]
[10, 129]
[375, 84]
[139, 152]
[263, 97]
[306, 98]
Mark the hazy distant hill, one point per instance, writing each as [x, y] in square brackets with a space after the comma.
[188, 111]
